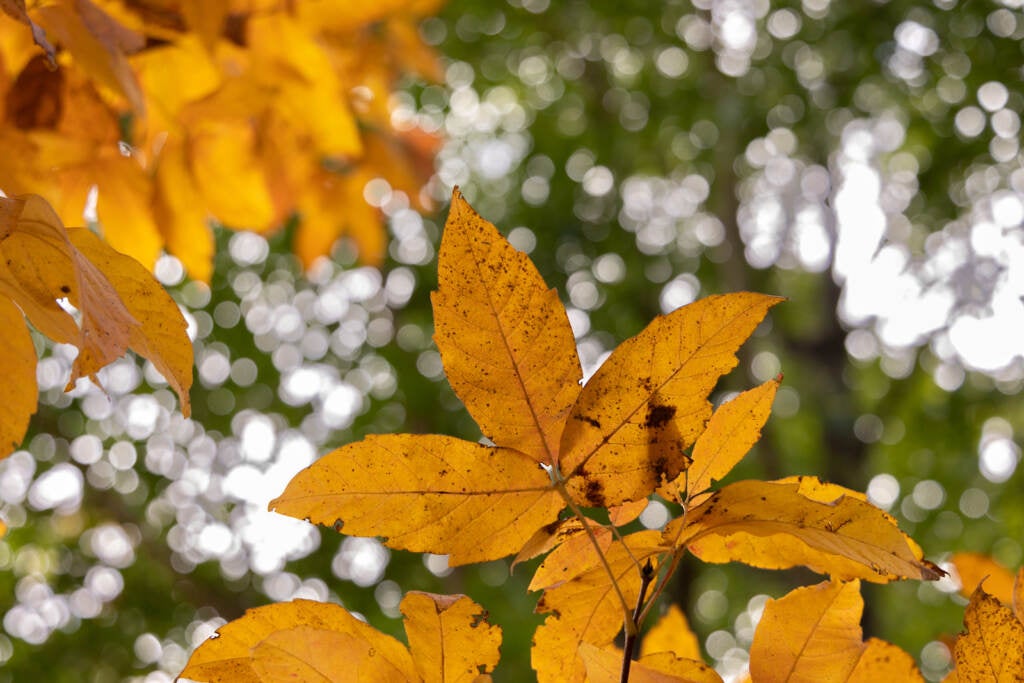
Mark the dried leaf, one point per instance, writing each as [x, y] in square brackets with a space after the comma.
[272, 642]
[449, 637]
[773, 526]
[504, 337]
[992, 648]
[427, 493]
[647, 403]
[671, 633]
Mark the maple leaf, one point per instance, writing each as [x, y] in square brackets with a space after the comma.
[992, 648]
[120, 304]
[449, 640]
[814, 634]
[509, 352]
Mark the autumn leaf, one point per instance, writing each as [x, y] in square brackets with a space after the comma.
[504, 337]
[1018, 595]
[647, 404]
[605, 666]
[731, 431]
[449, 637]
[774, 526]
[304, 640]
[975, 568]
[814, 634]
[671, 633]
[587, 609]
[120, 304]
[16, 9]
[992, 648]
[427, 493]
[286, 638]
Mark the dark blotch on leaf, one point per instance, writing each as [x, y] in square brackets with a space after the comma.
[594, 494]
[478, 619]
[589, 420]
[657, 415]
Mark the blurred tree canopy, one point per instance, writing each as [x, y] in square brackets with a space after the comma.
[861, 159]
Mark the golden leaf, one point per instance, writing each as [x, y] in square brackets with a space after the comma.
[427, 493]
[276, 641]
[773, 526]
[504, 337]
[671, 633]
[731, 431]
[18, 368]
[975, 568]
[813, 634]
[647, 403]
[449, 637]
[992, 649]
[161, 335]
[605, 666]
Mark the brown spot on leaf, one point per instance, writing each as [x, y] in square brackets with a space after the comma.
[589, 420]
[657, 415]
[594, 493]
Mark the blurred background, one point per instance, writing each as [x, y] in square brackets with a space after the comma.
[861, 159]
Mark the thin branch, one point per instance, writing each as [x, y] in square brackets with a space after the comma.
[646, 576]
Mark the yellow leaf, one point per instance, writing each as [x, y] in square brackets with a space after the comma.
[586, 609]
[671, 633]
[181, 214]
[605, 666]
[992, 648]
[773, 526]
[975, 568]
[314, 655]
[646, 405]
[620, 515]
[124, 207]
[288, 637]
[504, 337]
[40, 265]
[731, 431]
[574, 556]
[548, 537]
[427, 493]
[449, 637]
[98, 44]
[18, 368]
[813, 634]
[333, 206]
[206, 18]
[161, 337]
[882, 661]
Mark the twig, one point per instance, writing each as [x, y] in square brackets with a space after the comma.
[646, 576]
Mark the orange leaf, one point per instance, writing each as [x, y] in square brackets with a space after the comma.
[992, 649]
[731, 431]
[291, 639]
[180, 214]
[647, 403]
[587, 610]
[504, 337]
[605, 666]
[18, 368]
[774, 526]
[813, 634]
[548, 537]
[570, 559]
[449, 637]
[161, 337]
[975, 568]
[671, 633]
[620, 515]
[427, 493]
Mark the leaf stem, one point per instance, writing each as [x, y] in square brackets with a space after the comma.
[646, 576]
[585, 521]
